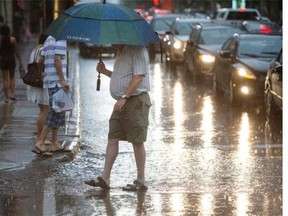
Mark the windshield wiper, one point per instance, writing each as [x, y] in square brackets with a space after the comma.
[269, 53]
[250, 55]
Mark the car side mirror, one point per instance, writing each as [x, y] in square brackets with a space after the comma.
[190, 43]
[225, 54]
[278, 70]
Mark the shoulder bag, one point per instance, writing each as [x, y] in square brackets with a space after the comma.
[33, 77]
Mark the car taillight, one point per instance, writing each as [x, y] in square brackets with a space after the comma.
[265, 29]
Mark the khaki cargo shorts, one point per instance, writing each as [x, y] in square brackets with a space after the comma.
[132, 122]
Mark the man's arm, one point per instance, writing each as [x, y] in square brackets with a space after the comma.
[41, 65]
[134, 84]
[103, 70]
[58, 66]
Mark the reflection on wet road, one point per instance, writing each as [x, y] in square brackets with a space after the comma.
[203, 157]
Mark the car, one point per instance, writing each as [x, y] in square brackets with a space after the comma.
[177, 37]
[202, 46]
[241, 66]
[273, 89]
[161, 24]
[227, 14]
[88, 50]
[261, 26]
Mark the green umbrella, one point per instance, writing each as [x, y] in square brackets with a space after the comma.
[102, 23]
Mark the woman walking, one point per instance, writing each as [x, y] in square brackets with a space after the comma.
[37, 95]
[8, 50]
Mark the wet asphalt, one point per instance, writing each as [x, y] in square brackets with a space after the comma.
[197, 164]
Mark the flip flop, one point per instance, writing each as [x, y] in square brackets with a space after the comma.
[136, 186]
[58, 149]
[43, 153]
[101, 183]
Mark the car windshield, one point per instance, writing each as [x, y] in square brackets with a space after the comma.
[163, 25]
[217, 36]
[259, 47]
[242, 15]
[184, 28]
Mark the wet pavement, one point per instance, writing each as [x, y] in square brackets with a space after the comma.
[203, 157]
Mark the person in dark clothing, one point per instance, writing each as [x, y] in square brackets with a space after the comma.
[8, 50]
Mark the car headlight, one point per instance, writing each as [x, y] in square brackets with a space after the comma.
[246, 74]
[206, 58]
[177, 44]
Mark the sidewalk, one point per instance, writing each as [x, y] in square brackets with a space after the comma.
[18, 121]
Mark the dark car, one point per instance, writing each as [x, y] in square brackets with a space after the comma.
[161, 24]
[261, 26]
[273, 88]
[202, 46]
[242, 63]
[177, 38]
[88, 50]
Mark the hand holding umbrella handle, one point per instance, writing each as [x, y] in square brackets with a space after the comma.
[100, 61]
[98, 82]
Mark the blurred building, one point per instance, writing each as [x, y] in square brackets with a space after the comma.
[33, 16]
[26, 17]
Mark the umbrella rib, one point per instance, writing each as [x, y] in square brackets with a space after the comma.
[69, 15]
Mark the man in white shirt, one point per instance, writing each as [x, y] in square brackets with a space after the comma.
[129, 86]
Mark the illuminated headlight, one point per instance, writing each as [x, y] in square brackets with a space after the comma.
[244, 90]
[246, 74]
[207, 58]
[177, 44]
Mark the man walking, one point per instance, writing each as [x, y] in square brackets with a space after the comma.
[54, 58]
[129, 86]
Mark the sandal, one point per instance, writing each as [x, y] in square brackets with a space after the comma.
[136, 186]
[43, 152]
[101, 183]
[58, 149]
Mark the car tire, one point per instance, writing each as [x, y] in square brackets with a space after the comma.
[216, 87]
[270, 106]
[188, 73]
[232, 97]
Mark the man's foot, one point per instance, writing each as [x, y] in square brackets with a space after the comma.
[136, 186]
[47, 142]
[39, 150]
[13, 98]
[100, 182]
[57, 147]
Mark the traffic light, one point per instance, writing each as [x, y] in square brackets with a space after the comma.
[156, 2]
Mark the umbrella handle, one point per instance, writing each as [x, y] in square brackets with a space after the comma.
[98, 82]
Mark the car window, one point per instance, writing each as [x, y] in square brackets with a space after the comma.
[280, 59]
[229, 45]
[221, 15]
[267, 47]
[217, 36]
[162, 25]
[248, 15]
[183, 29]
[194, 35]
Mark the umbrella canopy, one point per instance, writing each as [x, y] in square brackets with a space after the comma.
[102, 23]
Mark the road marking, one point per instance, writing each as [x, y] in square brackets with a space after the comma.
[49, 204]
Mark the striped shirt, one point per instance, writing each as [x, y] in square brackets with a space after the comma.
[133, 60]
[50, 49]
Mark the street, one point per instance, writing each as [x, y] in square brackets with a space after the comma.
[203, 156]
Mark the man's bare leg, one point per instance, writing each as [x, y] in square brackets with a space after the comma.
[40, 142]
[111, 155]
[140, 158]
